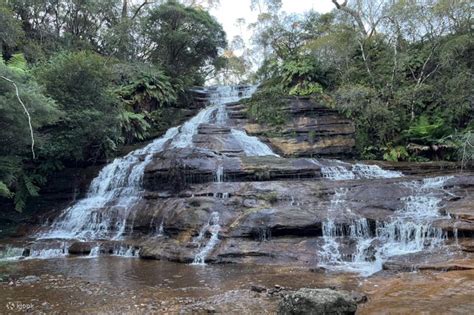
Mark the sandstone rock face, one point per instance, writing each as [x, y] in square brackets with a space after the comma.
[219, 195]
[312, 130]
[317, 302]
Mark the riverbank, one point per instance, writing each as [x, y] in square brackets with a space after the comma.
[112, 285]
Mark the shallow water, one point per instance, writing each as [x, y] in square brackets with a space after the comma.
[112, 285]
[136, 273]
[126, 285]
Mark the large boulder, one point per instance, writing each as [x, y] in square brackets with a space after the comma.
[317, 301]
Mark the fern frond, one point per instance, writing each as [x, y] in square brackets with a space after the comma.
[18, 63]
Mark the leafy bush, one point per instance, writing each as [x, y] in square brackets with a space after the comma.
[267, 106]
[81, 85]
[144, 87]
[395, 154]
[424, 132]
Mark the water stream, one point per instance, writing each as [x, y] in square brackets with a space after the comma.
[349, 242]
[104, 212]
[409, 230]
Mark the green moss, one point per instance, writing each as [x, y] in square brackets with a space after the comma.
[271, 198]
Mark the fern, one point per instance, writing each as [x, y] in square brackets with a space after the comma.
[4, 191]
[425, 132]
[18, 63]
[134, 126]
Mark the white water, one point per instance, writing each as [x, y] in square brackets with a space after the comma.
[11, 253]
[357, 171]
[104, 212]
[410, 230]
[337, 173]
[39, 251]
[161, 229]
[125, 251]
[95, 251]
[330, 253]
[214, 228]
[112, 194]
[252, 146]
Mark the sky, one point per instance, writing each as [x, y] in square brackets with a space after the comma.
[230, 10]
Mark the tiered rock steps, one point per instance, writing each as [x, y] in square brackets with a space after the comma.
[311, 130]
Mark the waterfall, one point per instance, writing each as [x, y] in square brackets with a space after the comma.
[330, 253]
[345, 171]
[11, 253]
[336, 173]
[161, 229]
[373, 171]
[214, 228]
[252, 146]
[409, 230]
[112, 195]
[38, 251]
[95, 251]
[105, 209]
[219, 177]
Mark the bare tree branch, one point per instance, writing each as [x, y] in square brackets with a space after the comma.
[141, 7]
[27, 114]
[343, 7]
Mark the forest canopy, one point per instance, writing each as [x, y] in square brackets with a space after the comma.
[92, 76]
[401, 70]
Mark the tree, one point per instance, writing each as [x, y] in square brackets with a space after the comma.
[183, 39]
[10, 31]
[90, 128]
[19, 176]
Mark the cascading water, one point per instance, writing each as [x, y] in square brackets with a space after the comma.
[111, 196]
[11, 253]
[109, 203]
[345, 171]
[330, 253]
[410, 230]
[214, 228]
[252, 146]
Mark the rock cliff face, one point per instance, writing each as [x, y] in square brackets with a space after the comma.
[208, 192]
[312, 130]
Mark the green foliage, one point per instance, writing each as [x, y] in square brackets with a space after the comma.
[306, 88]
[5, 191]
[90, 128]
[144, 88]
[267, 106]
[134, 126]
[18, 178]
[375, 122]
[17, 62]
[10, 30]
[424, 132]
[183, 39]
[395, 154]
